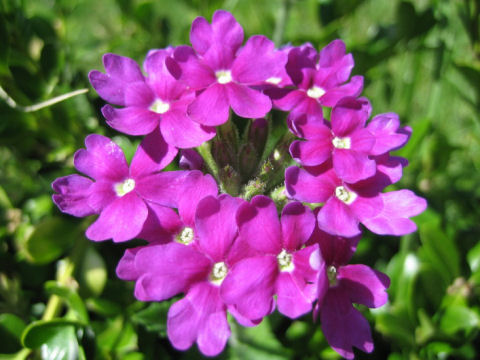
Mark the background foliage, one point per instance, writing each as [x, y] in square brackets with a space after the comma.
[59, 296]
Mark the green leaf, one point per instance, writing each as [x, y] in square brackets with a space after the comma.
[458, 318]
[257, 342]
[11, 328]
[71, 297]
[439, 249]
[153, 317]
[55, 339]
[49, 240]
[94, 272]
[473, 258]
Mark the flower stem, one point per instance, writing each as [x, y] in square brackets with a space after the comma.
[205, 152]
[12, 103]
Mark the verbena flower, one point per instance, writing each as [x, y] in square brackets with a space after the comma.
[320, 80]
[155, 101]
[339, 286]
[197, 268]
[348, 204]
[280, 266]
[223, 72]
[121, 195]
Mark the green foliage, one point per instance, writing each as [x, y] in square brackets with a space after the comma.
[420, 59]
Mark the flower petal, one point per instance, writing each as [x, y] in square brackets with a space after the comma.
[311, 153]
[73, 192]
[247, 102]
[349, 115]
[387, 132]
[352, 88]
[195, 187]
[131, 120]
[216, 226]
[250, 286]
[352, 166]
[398, 207]
[153, 154]
[302, 185]
[121, 220]
[163, 188]
[259, 225]
[211, 107]
[167, 270]
[343, 325]
[365, 285]
[337, 218]
[298, 223]
[126, 269]
[161, 223]
[181, 131]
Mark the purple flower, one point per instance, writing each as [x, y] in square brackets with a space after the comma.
[339, 286]
[122, 196]
[190, 160]
[198, 268]
[157, 101]
[320, 81]
[223, 72]
[280, 265]
[346, 141]
[347, 204]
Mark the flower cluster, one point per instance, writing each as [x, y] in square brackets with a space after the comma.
[229, 253]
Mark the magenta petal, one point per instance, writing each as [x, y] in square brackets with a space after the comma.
[349, 115]
[73, 192]
[187, 67]
[120, 72]
[161, 223]
[152, 155]
[247, 102]
[337, 218]
[385, 128]
[126, 269]
[256, 61]
[365, 285]
[122, 220]
[181, 131]
[102, 159]
[290, 100]
[343, 325]
[335, 250]
[394, 217]
[362, 141]
[122, 67]
[201, 35]
[227, 31]
[167, 270]
[259, 225]
[211, 106]
[303, 186]
[163, 188]
[131, 120]
[200, 316]
[311, 153]
[250, 286]
[352, 166]
[216, 226]
[298, 223]
[102, 193]
[195, 187]
[291, 300]
[333, 55]
[190, 160]
[139, 94]
[352, 88]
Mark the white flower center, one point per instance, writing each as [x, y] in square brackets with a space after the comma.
[315, 92]
[342, 143]
[274, 80]
[219, 272]
[344, 195]
[285, 261]
[223, 76]
[125, 187]
[160, 107]
[332, 275]
[185, 236]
